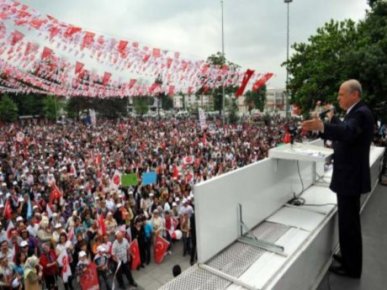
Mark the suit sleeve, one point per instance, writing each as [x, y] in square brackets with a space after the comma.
[345, 131]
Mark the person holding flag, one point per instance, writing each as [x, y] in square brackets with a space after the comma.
[101, 259]
[121, 255]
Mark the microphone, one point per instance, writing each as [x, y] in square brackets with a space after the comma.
[324, 113]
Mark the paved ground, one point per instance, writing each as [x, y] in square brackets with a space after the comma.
[374, 277]
[154, 276]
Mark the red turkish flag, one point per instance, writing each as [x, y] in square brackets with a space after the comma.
[89, 278]
[47, 53]
[131, 83]
[156, 52]
[146, 57]
[116, 178]
[287, 138]
[175, 173]
[135, 253]
[245, 80]
[188, 159]
[160, 248]
[78, 67]
[71, 30]
[169, 62]
[7, 210]
[88, 39]
[54, 31]
[106, 78]
[122, 45]
[37, 23]
[261, 82]
[16, 37]
[55, 194]
[101, 224]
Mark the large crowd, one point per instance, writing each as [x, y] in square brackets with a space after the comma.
[61, 208]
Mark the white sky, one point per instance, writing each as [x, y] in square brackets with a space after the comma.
[255, 30]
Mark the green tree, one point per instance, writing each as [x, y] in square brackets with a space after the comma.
[8, 109]
[166, 102]
[233, 117]
[220, 60]
[51, 107]
[141, 104]
[30, 104]
[256, 99]
[110, 108]
[341, 51]
[317, 68]
[75, 105]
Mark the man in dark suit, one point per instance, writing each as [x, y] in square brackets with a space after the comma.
[351, 171]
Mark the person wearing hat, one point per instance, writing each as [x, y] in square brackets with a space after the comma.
[31, 242]
[158, 223]
[121, 255]
[32, 274]
[101, 259]
[57, 230]
[83, 262]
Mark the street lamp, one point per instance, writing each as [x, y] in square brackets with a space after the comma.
[287, 107]
[224, 58]
[159, 81]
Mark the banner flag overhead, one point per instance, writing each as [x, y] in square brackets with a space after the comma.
[37, 64]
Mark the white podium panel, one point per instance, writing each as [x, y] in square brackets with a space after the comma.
[299, 151]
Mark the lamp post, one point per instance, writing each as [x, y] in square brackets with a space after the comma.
[287, 106]
[159, 81]
[224, 58]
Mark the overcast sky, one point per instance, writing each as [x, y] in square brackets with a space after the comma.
[255, 30]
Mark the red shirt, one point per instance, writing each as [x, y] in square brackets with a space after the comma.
[46, 259]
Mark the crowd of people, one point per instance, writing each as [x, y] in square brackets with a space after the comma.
[62, 209]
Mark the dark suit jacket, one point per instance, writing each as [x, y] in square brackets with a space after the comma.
[351, 144]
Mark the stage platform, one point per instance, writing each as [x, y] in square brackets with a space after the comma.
[307, 234]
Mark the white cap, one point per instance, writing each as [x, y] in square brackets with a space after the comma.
[101, 248]
[20, 199]
[58, 226]
[23, 244]
[82, 254]
[174, 204]
[119, 205]
[151, 194]
[14, 183]
[19, 219]
[54, 214]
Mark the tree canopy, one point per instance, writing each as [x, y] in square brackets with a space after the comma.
[8, 109]
[220, 60]
[256, 99]
[340, 51]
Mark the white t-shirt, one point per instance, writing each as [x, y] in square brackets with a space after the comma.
[120, 250]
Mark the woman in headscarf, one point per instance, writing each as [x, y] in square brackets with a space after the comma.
[32, 274]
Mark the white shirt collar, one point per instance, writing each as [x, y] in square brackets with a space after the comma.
[351, 107]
